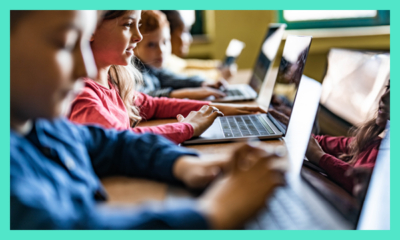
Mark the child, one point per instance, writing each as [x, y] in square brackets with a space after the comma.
[154, 51]
[55, 165]
[107, 99]
[181, 40]
[339, 155]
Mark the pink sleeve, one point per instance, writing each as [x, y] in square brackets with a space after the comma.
[333, 145]
[87, 109]
[336, 170]
[152, 108]
[176, 132]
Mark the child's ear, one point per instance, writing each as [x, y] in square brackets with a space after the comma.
[92, 38]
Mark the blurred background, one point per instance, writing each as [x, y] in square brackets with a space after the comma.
[349, 54]
[213, 29]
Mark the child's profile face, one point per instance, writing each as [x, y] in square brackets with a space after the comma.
[50, 51]
[155, 47]
[115, 39]
[181, 39]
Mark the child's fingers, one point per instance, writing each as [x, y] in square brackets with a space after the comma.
[208, 110]
[215, 114]
[216, 93]
[180, 118]
[204, 108]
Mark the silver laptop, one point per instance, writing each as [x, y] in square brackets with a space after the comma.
[265, 126]
[307, 203]
[269, 48]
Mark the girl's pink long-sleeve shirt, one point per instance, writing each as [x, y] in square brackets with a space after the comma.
[100, 105]
[337, 168]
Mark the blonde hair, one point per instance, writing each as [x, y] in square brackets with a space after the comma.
[125, 79]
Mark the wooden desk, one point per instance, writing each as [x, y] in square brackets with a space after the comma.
[123, 190]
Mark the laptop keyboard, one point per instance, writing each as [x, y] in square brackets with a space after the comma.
[234, 93]
[286, 210]
[243, 126]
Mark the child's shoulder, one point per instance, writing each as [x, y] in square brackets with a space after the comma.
[91, 89]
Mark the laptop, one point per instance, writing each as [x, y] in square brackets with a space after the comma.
[305, 203]
[375, 214]
[233, 51]
[269, 48]
[265, 126]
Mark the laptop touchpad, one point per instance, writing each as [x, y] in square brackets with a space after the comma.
[214, 131]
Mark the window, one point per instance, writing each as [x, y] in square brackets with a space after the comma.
[195, 19]
[198, 26]
[297, 19]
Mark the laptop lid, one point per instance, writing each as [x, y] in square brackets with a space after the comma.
[375, 213]
[267, 54]
[287, 82]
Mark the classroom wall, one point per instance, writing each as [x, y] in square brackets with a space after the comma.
[250, 27]
[247, 26]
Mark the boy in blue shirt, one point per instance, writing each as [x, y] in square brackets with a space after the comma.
[55, 165]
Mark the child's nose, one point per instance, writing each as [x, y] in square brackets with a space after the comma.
[137, 37]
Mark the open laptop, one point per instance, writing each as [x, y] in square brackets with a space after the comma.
[269, 48]
[306, 204]
[265, 126]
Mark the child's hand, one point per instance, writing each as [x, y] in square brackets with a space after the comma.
[228, 71]
[238, 109]
[314, 151]
[198, 173]
[197, 93]
[241, 192]
[201, 120]
[220, 84]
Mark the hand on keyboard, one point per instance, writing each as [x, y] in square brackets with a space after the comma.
[238, 195]
[200, 120]
[221, 84]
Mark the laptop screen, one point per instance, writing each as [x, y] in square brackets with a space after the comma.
[288, 79]
[344, 180]
[268, 51]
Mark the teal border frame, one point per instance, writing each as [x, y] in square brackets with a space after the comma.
[382, 18]
[203, 5]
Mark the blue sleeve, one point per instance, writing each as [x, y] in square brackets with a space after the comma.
[151, 85]
[126, 153]
[33, 206]
[176, 81]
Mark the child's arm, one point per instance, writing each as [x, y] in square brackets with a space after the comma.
[169, 79]
[158, 108]
[163, 92]
[125, 153]
[33, 207]
[334, 146]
